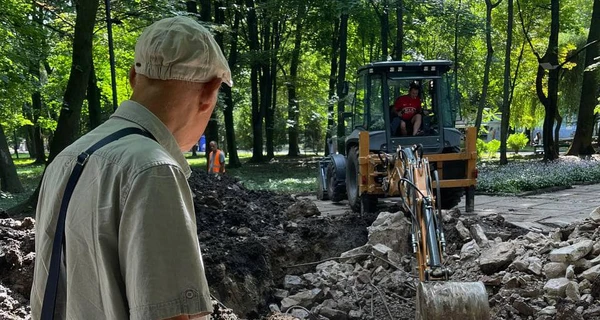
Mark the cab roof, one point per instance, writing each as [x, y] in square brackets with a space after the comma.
[440, 66]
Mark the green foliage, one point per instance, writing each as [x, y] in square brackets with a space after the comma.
[517, 141]
[517, 177]
[492, 147]
[481, 147]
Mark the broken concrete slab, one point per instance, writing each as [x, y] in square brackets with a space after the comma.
[554, 270]
[291, 282]
[591, 274]
[388, 229]
[463, 232]
[571, 253]
[595, 214]
[535, 265]
[470, 250]
[556, 287]
[479, 236]
[572, 291]
[497, 258]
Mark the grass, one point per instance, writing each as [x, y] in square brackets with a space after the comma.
[29, 174]
[289, 175]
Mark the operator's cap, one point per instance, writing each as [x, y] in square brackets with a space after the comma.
[179, 48]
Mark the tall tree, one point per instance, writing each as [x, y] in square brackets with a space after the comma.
[234, 160]
[67, 128]
[582, 141]
[332, 81]
[9, 180]
[549, 61]
[504, 125]
[255, 67]
[400, 30]
[488, 60]
[343, 40]
[293, 106]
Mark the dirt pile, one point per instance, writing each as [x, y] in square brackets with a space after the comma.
[17, 246]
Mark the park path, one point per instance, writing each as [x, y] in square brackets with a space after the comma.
[542, 211]
[538, 212]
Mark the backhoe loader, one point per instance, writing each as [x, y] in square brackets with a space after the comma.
[425, 173]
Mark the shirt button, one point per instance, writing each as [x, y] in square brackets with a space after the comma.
[189, 294]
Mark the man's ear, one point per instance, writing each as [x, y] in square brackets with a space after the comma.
[208, 94]
[132, 75]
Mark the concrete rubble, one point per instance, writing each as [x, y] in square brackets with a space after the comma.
[530, 275]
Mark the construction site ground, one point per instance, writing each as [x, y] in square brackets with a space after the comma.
[279, 257]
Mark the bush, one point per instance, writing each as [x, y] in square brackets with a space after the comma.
[481, 147]
[492, 147]
[517, 141]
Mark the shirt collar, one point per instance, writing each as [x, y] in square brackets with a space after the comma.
[140, 115]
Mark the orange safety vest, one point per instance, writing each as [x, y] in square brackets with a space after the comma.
[217, 161]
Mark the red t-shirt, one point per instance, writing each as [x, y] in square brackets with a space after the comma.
[409, 106]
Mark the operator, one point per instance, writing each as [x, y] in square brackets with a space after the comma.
[216, 159]
[131, 247]
[408, 108]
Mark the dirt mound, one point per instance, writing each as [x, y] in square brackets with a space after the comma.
[17, 246]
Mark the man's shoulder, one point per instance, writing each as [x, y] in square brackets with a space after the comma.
[134, 151]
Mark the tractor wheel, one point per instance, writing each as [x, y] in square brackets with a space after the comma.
[336, 190]
[451, 197]
[358, 203]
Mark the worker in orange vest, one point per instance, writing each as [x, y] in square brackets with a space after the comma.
[216, 159]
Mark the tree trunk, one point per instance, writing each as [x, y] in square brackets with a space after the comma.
[400, 27]
[582, 141]
[257, 115]
[67, 128]
[9, 180]
[266, 93]
[551, 105]
[93, 98]
[234, 160]
[205, 10]
[293, 107]
[341, 126]
[488, 63]
[506, 94]
[332, 80]
[559, 121]
[385, 26]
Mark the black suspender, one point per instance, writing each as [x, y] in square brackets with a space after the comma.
[59, 236]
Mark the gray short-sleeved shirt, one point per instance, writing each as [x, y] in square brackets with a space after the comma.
[132, 250]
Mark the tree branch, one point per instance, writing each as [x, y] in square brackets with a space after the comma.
[576, 53]
[526, 33]
[494, 5]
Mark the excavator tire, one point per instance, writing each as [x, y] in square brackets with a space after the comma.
[336, 190]
[440, 300]
[451, 197]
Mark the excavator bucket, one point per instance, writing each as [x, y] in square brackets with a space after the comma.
[443, 300]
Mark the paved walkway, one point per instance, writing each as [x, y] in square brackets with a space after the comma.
[540, 212]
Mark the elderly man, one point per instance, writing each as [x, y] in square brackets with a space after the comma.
[125, 245]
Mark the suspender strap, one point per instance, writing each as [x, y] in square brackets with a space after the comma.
[59, 235]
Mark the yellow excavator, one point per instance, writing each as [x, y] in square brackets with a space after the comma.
[427, 172]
